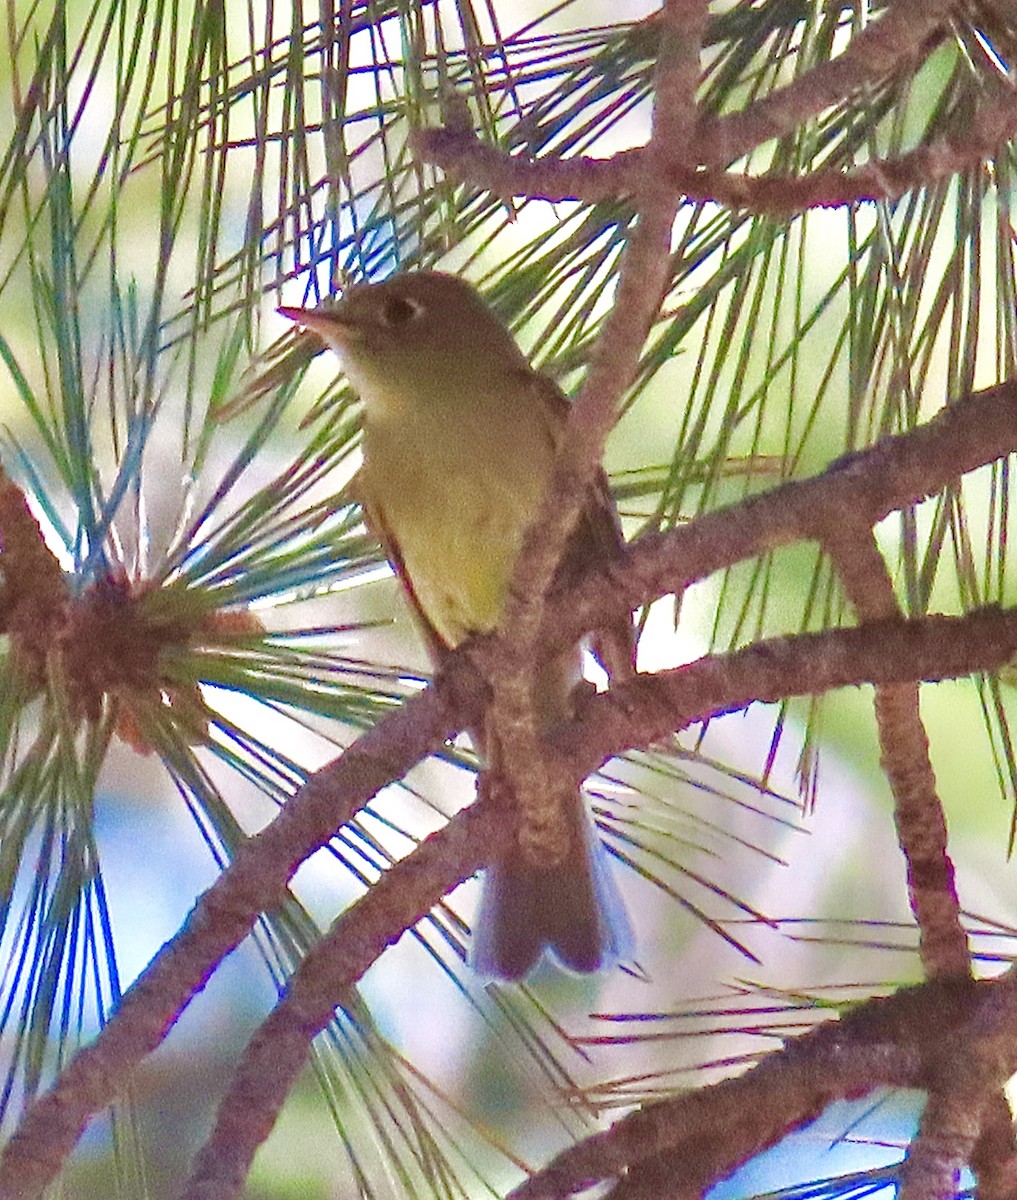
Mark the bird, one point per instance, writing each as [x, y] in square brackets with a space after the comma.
[460, 435]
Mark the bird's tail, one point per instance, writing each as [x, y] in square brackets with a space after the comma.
[573, 909]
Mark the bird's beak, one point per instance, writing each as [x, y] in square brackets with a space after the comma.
[327, 323]
[300, 315]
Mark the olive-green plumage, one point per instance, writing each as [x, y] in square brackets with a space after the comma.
[460, 435]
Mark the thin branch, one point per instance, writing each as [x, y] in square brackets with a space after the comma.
[921, 831]
[906, 31]
[594, 180]
[464, 157]
[642, 280]
[918, 811]
[887, 179]
[951, 1119]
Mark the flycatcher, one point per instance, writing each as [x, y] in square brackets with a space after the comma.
[460, 435]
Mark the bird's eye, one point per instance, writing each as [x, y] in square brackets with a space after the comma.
[398, 310]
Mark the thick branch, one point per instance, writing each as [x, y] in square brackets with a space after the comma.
[642, 279]
[701, 1137]
[276, 1054]
[651, 707]
[966, 1073]
[957, 1031]
[255, 882]
[869, 484]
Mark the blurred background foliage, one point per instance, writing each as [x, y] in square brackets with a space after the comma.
[170, 171]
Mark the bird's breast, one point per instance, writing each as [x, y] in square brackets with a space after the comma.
[456, 498]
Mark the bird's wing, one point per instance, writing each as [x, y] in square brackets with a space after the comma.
[374, 518]
[596, 541]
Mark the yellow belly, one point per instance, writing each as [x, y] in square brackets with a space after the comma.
[455, 485]
[459, 536]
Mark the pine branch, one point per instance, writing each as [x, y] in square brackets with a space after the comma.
[680, 1147]
[634, 714]
[904, 745]
[894, 473]
[104, 646]
[254, 882]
